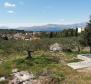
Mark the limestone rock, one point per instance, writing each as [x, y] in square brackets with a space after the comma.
[14, 70]
[2, 79]
[55, 47]
[23, 77]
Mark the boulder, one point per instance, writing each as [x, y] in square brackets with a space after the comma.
[23, 77]
[14, 70]
[55, 47]
[2, 79]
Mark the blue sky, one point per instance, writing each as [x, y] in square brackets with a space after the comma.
[41, 12]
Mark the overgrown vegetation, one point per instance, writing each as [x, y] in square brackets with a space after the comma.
[13, 54]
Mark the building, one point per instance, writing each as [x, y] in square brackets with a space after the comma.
[80, 29]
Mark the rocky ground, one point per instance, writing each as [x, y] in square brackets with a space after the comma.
[24, 77]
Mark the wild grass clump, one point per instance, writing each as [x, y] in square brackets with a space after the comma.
[41, 61]
[5, 69]
[36, 63]
[4, 82]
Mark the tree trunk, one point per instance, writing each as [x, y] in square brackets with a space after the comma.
[90, 49]
[29, 54]
[79, 49]
[51, 35]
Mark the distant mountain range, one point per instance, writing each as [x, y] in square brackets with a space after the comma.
[49, 27]
[52, 27]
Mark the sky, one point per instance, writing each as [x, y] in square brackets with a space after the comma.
[16, 13]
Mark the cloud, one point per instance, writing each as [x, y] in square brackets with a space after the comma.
[11, 11]
[9, 5]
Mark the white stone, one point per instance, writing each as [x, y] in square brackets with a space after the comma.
[55, 47]
[83, 64]
[27, 82]
[14, 70]
[2, 79]
[80, 65]
[23, 76]
[85, 57]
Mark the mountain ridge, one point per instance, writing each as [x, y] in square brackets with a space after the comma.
[48, 27]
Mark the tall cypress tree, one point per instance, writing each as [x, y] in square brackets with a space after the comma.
[87, 34]
[76, 32]
[51, 35]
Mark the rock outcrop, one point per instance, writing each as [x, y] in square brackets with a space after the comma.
[22, 77]
[55, 47]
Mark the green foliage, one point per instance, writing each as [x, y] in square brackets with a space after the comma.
[41, 60]
[5, 69]
[38, 65]
[65, 33]
[58, 75]
[14, 45]
[10, 31]
[87, 35]
[51, 64]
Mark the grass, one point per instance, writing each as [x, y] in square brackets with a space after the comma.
[43, 62]
[4, 82]
[47, 64]
[37, 65]
[5, 69]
